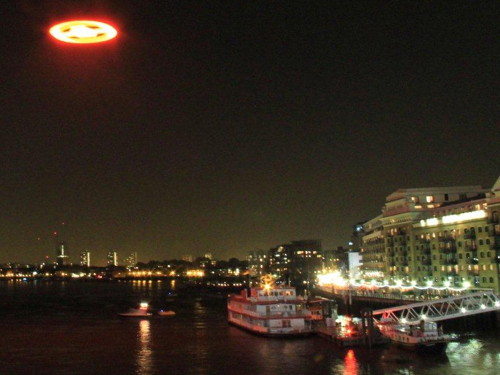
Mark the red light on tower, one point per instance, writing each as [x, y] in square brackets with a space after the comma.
[83, 32]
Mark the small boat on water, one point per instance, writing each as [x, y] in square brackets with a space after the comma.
[145, 312]
[141, 312]
[270, 310]
[424, 336]
[166, 313]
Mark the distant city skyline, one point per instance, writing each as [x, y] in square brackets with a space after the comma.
[230, 127]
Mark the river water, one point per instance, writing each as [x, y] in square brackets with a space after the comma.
[73, 328]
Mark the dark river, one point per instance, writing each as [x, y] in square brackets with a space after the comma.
[73, 328]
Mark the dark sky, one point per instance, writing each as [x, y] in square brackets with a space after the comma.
[229, 126]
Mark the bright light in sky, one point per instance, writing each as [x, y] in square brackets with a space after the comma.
[83, 32]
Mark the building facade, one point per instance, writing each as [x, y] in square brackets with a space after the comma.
[257, 263]
[112, 258]
[373, 249]
[446, 236]
[62, 254]
[131, 260]
[297, 262]
[85, 258]
[336, 260]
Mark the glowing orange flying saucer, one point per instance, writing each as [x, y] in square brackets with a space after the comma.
[83, 32]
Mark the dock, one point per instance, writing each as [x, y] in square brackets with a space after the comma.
[350, 339]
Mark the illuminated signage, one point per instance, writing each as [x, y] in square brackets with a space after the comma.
[450, 219]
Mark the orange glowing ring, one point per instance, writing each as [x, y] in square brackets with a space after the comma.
[83, 32]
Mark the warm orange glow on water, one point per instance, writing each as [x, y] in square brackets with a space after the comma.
[350, 363]
[83, 32]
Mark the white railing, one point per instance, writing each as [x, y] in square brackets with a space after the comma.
[273, 299]
[442, 309]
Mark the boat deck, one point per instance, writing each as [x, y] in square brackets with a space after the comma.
[330, 333]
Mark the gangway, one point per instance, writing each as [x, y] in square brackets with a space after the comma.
[442, 309]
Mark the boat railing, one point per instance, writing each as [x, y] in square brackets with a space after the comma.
[274, 314]
[274, 299]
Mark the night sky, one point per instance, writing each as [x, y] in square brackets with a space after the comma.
[230, 126]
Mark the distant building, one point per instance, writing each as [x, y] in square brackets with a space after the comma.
[297, 262]
[336, 259]
[257, 263]
[131, 260]
[62, 254]
[112, 258]
[188, 258]
[85, 258]
[356, 241]
[278, 262]
[306, 261]
[354, 264]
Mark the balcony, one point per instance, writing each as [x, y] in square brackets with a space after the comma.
[450, 262]
[449, 250]
[446, 239]
[472, 261]
[471, 247]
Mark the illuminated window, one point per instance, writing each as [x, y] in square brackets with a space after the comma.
[429, 198]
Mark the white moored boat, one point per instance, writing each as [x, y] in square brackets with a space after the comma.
[270, 311]
[424, 336]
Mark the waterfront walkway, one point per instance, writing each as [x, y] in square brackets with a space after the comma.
[393, 296]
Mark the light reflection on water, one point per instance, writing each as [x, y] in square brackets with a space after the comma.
[73, 328]
[144, 353]
[350, 363]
